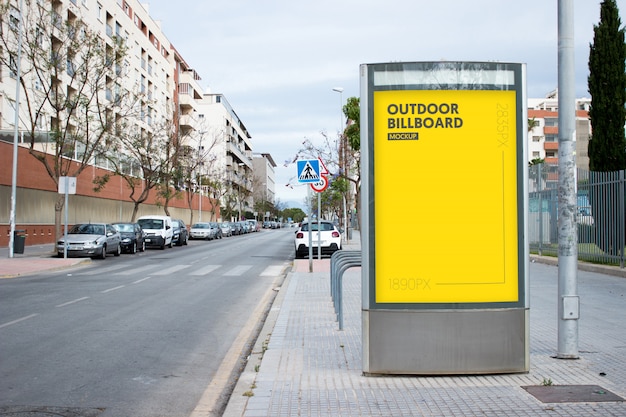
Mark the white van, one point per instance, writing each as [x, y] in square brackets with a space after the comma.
[158, 230]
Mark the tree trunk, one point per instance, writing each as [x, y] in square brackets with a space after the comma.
[135, 211]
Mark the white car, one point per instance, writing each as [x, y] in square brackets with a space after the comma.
[200, 230]
[326, 236]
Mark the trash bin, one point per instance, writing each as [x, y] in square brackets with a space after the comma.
[19, 240]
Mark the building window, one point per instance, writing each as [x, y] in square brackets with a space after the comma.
[536, 138]
[551, 122]
[12, 66]
[536, 154]
[552, 138]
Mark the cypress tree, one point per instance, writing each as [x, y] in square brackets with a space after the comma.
[607, 145]
[607, 86]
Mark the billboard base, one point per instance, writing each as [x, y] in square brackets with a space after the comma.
[445, 342]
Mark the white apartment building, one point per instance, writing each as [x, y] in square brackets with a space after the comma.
[227, 146]
[543, 139]
[146, 71]
[264, 177]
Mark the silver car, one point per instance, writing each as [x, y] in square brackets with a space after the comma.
[90, 239]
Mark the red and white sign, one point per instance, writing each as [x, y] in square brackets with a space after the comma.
[322, 184]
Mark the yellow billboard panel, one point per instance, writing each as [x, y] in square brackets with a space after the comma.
[445, 196]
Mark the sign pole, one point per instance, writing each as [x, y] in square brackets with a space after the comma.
[65, 205]
[308, 193]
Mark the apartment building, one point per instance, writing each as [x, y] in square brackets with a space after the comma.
[136, 86]
[543, 138]
[264, 177]
[227, 148]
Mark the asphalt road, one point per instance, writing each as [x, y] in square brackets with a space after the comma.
[137, 335]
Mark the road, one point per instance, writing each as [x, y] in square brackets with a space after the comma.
[137, 335]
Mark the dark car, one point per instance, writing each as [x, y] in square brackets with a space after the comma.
[133, 237]
[236, 227]
[180, 234]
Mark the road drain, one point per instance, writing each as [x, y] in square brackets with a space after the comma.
[572, 394]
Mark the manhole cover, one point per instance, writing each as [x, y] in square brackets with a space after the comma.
[40, 411]
[571, 393]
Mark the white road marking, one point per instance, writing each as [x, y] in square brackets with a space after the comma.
[272, 271]
[171, 270]
[136, 270]
[238, 270]
[73, 301]
[17, 321]
[112, 289]
[205, 270]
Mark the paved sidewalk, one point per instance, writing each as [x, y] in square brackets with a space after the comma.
[36, 258]
[303, 365]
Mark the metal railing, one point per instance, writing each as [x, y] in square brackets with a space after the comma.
[600, 214]
[340, 261]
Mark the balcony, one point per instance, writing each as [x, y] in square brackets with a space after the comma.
[551, 146]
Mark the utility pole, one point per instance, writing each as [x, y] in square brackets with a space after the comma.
[16, 122]
[568, 303]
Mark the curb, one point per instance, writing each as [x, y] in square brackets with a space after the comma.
[615, 271]
[238, 400]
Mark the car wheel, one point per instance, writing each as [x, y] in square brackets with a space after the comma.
[163, 246]
[118, 252]
[59, 254]
[170, 245]
[103, 254]
[133, 250]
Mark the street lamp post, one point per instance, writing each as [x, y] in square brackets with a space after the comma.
[342, 161]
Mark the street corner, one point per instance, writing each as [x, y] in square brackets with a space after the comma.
[16, 267]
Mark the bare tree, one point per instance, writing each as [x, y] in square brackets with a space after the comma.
[70, 80]
[140, 158]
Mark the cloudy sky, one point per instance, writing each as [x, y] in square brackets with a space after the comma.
[277, 61]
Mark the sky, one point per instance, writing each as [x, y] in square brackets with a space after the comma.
[277, 61]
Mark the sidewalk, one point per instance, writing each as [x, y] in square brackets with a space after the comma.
[302, 365]
[34, 259]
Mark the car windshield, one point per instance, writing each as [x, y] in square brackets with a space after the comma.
[124, 227]
[88, 229]
[200, 226]
[151, 223]
[325, 227]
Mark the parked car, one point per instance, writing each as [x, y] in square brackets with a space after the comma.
[267, 225]
[236, 227]
[215, 231]
[327, 235]
[200, 230]
[245, 227]
[158, 230]
[180, 235]
[254, 225]
[133, 237]
[226, 229]
[90, 239]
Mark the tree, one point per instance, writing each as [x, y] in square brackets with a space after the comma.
[71, 95]
[607, 86]
[137, 157]
[341, 153]
[607, 145]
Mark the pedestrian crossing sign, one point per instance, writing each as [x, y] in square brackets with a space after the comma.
[308, 171]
